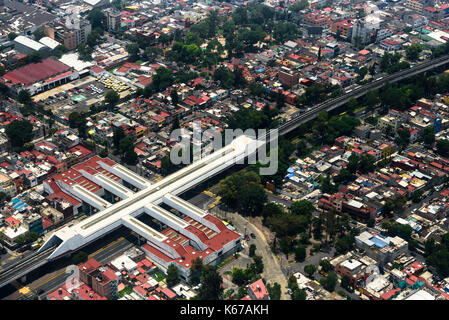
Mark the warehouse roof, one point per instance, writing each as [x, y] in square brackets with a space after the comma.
[30, 43]
[35, 72]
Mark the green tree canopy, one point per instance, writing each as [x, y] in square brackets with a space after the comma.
[24, 97]
[19, 132]
[443, 147]
[310, 269]
[96, 18]
[111, 98]
[210, 284]
[172, 275]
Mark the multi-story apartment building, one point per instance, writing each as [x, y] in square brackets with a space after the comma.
[288, 77]
[7, 185]
[343, 28]
[70, 32]
[415, 5]
[102, 280]
[113, 19]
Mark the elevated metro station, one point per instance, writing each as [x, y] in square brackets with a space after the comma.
[176, 236]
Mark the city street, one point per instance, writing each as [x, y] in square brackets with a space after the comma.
[272, 269]
[104, 252]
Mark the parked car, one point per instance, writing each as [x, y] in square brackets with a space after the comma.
[253, 235]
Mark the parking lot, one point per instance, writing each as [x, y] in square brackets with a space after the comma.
[79, 95]
[113, 83]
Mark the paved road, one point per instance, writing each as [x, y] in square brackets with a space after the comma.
[272, 269]
[51, 281]
[276, 198]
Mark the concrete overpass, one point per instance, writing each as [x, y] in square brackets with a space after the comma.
[358, 92]
[22, 268]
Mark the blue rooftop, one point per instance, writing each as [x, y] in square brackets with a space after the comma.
[378, 242]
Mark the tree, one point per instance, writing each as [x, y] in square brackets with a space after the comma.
[363, 71]
[4, 197]
[397, 229]
[175, 125]
[370, 223]
[59, 51]
[167, 166]
[24, 97]
[225, 76]
[292, 282]
[274, 291]
[172, 275]
[416, 196]
[19, 132]
[243, 191]
[152, 52]
[94, 37]
[302, 207]
[300, 254]
[300, 5]
[287, 225]
[133, 51]
[327, 186]
[38, 34]
[111, 98]
[439, 259]
[126, 144]
[443, 147]
[330, 281]
[429, 136]
[299, 294]
[345, 282]
[412, 51]
[258, 263]
[196, 270]
[239, 277]
[326, 266]
[255, 88]
[284, 31]
[74, 119]
[174, 97]
[430, 247]
[96, 18]
[271, 209]
[351, 105]
[117, 135]
[372, 98]
[104, 153]
[3, 87]
[404, 137]
[26, 238]
[310, 269]
[210, 284]
[162, 79]
[252, 250]
[130, 157]
[251, 199]
[85, 52]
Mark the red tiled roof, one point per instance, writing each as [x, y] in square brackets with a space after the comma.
[35, 72]
[259, 289]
